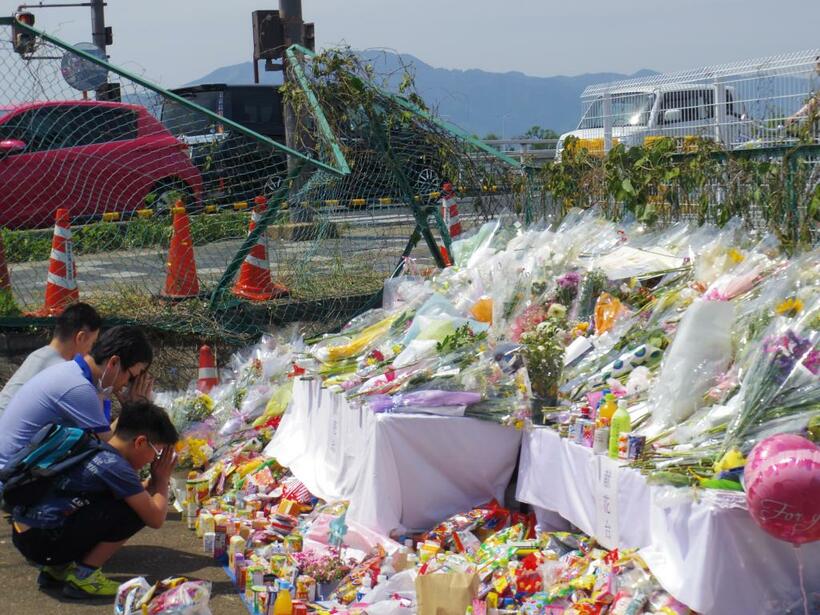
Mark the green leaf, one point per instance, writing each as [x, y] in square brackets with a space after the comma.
[627, 187]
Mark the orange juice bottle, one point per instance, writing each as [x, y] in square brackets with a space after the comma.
[608, 408]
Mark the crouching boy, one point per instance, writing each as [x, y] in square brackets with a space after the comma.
[98, 504]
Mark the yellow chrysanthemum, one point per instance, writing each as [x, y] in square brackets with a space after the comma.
[790, 307]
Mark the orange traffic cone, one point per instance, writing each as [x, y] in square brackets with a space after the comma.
[254, 281]
[5, 278]
[208, 376]
[445, 256]
[181, 281]
[449, 210]
[61, 285]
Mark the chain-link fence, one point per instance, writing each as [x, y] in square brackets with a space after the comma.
[184, 210]
[739, 139]
[752, 103]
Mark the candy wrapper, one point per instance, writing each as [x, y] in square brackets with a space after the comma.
[347, 588]
[189, 598]
[491, 517]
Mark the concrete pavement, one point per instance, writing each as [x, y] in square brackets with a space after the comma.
[155, 554]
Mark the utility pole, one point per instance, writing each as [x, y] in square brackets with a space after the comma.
[290, 12]
[101, 37]
[98, 32]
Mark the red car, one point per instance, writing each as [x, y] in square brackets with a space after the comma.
[92, 157]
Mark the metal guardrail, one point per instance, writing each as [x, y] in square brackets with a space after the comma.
[526, 150]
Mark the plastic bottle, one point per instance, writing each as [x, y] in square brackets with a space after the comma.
[364, 588]
[283, 605]
[620, 423]
[206, 523]
[236, 546]
[387, 569]
[607, 409]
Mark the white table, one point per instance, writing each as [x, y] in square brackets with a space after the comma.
[709, 554]
[400, 471]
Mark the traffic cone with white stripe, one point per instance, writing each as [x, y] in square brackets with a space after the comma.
[5, 278]
[181, 281]
[61, 287]
[449, 210]
[208, 376]
[254, 281]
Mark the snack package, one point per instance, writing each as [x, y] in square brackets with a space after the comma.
[129, 596]
[346, 590]
[189, 598]
[491, 517]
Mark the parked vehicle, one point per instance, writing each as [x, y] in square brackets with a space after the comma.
[674, 110]
[234, 166]
[91, 157]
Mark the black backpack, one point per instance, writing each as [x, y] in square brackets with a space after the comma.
[29, 475]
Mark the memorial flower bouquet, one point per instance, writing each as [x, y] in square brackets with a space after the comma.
[782, 381]
[324, 568]
[543, 352]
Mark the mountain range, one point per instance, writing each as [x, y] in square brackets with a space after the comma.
[504, 104]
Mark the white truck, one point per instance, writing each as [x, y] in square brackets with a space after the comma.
[631, 114]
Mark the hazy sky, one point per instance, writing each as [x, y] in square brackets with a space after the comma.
[176, 41]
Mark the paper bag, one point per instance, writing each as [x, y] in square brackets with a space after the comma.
[445, 593]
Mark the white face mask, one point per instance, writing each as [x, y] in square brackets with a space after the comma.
[106, 392]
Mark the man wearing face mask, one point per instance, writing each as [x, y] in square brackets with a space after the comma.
[78, 392]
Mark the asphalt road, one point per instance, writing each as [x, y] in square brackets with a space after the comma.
[371, 239]
[363, 238]
[154, 554]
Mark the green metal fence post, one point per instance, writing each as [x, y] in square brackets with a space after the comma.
[250, 241]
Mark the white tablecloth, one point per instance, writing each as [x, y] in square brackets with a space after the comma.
[708, 554]
[400, 471]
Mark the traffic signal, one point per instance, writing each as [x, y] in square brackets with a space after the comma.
[22, 40]
[268, 37]
[308, 36]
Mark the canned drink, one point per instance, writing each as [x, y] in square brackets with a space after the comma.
[256, 575]
[208, 541]
[278, 563]
[293, 543]
[248, 588]
[270, 596]
[220, 542]
[579, 431]
[635, 446]
[242, 577]
[572, 429]
[191, 510]
[600, 445]
[197, 489]
[259, 594]
[587, 433]
[306, 588]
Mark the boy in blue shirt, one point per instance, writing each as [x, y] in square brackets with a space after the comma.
[96, 506]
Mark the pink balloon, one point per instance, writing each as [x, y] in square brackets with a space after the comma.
[771, 446]
[783, 492]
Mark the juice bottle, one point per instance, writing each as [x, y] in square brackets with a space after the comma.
[620, 423]
[283, 605]
[607, 408]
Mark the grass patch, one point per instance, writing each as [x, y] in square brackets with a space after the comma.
[96, 237]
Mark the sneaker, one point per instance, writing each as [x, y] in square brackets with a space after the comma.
[53, 575]
[94, 585]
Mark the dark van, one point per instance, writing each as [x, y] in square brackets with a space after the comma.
[234, 167]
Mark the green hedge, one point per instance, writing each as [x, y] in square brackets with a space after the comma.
[35, 245]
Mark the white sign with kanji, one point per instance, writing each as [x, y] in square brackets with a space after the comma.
[606, 502]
